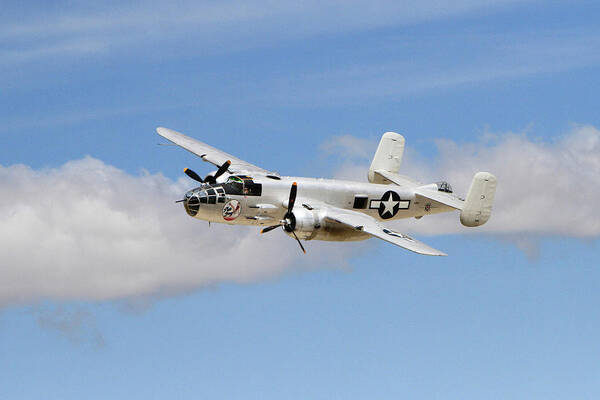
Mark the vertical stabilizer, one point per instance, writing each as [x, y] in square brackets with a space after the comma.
[388, 156]
[478, 205]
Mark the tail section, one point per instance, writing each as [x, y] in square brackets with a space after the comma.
[388, 157]
[478, 205]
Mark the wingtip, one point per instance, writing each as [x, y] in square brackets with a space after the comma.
[162, 131]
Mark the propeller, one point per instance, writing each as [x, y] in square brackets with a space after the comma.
[209, 178]
[289, 221]
[222, 169]
[193, 175]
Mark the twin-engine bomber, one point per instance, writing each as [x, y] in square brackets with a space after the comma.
[240, 193]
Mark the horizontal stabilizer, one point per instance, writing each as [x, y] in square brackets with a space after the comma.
[441, 197]
[399, 180]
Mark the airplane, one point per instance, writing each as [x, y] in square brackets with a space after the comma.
[240, 193]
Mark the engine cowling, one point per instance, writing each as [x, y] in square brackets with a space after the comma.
[305, 223]
[310, 224]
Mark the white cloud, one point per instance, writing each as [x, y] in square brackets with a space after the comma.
[90, 231]
[87, 230]
[544, 188]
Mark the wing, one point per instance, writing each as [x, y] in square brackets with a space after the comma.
[369, 225]
[210, 154]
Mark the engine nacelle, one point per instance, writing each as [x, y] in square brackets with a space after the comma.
[306, 223]
[309, 224]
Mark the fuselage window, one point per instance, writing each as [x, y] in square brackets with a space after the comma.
[252, 189]
[360, 202]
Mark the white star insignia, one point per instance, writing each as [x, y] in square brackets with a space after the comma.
[389, 205]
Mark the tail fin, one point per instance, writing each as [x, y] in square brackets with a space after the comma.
[388, 156]
[478, 206]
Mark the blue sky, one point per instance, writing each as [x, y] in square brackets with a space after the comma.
[108, 289]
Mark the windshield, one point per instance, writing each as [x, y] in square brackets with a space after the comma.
[242, 185]
[233, 186]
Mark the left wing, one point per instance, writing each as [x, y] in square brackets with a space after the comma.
[367, 224]
[210, 154]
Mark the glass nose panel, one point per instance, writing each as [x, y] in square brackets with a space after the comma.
[203, 197]
[192, 205]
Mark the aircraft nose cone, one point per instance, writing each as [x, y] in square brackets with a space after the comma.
[191, 203]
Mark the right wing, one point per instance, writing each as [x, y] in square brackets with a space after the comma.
[210, 154]
[364, 223]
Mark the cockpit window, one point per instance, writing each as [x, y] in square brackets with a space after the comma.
[444, 187]
[233, 187]
[252, 189]
[242, 185]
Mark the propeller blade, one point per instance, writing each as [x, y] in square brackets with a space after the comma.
[222, 169]
[269, 228]
[292, 199]
[286, 221]
[180, 201]
[298, 240]
[193, 175]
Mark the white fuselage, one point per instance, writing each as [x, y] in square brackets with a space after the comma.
[263, 201]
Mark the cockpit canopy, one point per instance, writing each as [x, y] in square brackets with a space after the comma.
[242, 185]
[444, 187]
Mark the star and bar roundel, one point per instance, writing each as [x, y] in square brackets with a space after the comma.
[389, 204]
